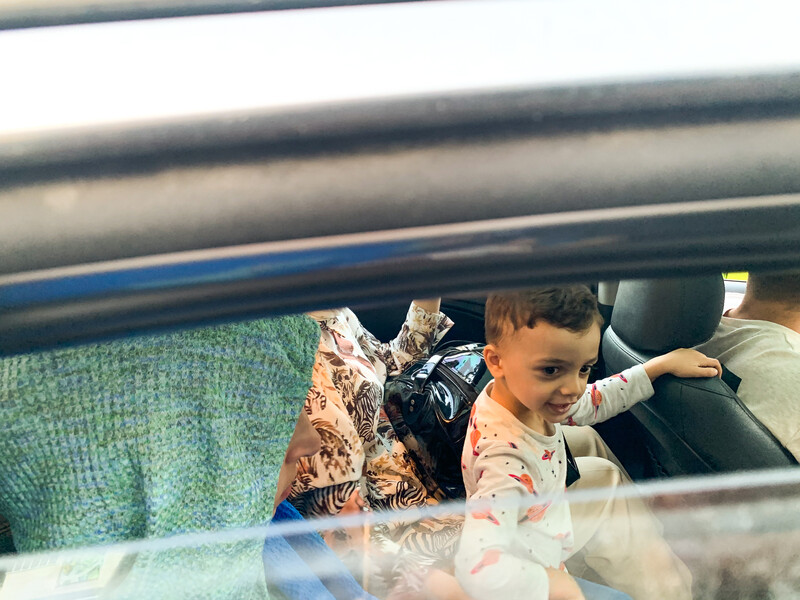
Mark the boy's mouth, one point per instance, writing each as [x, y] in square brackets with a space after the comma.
[559, 408]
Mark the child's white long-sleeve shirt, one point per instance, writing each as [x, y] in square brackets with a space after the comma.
[510, 535]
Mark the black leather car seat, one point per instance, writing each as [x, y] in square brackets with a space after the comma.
[690, 426]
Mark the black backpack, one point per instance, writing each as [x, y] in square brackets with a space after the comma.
[428, 406]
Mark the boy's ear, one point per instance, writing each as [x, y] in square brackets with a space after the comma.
[491, 357]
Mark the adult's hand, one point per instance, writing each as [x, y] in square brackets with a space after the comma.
[431, 304]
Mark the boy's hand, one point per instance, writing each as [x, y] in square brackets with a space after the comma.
[563, 586]
[683, 362]
[440, 585]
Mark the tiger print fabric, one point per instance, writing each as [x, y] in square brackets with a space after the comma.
[360, 450]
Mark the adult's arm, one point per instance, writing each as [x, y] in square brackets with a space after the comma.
[424, 326]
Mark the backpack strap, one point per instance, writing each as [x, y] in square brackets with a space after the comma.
[421, 376]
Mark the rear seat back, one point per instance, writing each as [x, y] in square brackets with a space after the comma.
[690, 426]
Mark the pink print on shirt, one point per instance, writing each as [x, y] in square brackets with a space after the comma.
[597, 399]
[535, 513]
[473, 439]
[486, 515]
[489, 558]
[525, 480]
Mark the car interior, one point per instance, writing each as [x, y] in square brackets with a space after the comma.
[684, 429]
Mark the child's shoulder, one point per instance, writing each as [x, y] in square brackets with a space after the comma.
[486, 412]
[491, 428]
[489, 415]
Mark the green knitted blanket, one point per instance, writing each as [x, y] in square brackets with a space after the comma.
[154, 436]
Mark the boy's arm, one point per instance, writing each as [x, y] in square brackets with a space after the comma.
[486, 564]
[608, 397]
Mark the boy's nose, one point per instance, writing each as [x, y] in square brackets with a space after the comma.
[573, 388]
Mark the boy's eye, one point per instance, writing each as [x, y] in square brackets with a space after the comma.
[586, 369]
[550, 370]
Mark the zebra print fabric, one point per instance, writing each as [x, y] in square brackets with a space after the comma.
[360, 450]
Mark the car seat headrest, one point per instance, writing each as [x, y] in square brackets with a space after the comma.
[659, 315]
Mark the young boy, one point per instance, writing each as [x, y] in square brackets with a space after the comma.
[541, 346]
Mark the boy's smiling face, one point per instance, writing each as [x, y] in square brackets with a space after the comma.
[541, 372]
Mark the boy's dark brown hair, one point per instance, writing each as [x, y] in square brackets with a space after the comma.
[571, 307]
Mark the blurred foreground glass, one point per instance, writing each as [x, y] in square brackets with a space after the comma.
[739, 536]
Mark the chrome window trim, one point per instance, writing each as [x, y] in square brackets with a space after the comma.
[83, 303]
